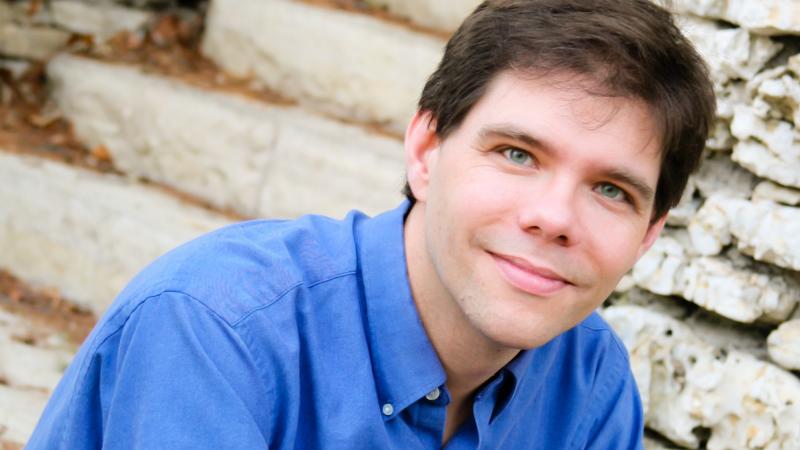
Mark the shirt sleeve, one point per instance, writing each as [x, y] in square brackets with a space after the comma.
[620, 422]
[172, 375]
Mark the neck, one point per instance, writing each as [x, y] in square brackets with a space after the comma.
[468, 356]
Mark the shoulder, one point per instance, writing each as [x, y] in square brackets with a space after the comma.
[248, 265]
[612, 402]
[596, 337]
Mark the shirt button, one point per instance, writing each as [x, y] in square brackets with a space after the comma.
[433, 395]
[387, 409]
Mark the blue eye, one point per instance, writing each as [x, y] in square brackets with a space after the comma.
[517, 156]
[610, 191]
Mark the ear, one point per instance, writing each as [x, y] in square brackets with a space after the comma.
[653, 231]
[421, 145]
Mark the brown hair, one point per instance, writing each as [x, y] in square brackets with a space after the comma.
[629, 48]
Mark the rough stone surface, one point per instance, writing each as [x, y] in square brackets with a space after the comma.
[727, 334]
[687, 383]
[767, 17]
[350, 65]
[731, 53]
[758, 158]
[435, 14]
[718, 174]
[85, 233]
[767, 190]
[784, 345]
[101, 20]
[682, 213]
[766, 125]
[739, 290]
[765, 230]
[248, 156]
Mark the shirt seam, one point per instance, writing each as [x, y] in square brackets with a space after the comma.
[286, 291]
[86, 365]
[614, 338]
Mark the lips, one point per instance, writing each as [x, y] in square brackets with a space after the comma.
[527, 277]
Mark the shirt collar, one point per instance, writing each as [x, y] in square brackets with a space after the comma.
[405, 364]
[525, 372]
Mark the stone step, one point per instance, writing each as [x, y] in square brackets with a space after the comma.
[33, 358]
[237, 153]
[430, 13]
[86, 233]
[351, 65]
[19, 411]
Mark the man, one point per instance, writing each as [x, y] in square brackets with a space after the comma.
[547, 149]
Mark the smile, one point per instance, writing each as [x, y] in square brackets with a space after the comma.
[528, 278]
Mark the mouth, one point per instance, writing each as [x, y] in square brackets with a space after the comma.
[527, 277]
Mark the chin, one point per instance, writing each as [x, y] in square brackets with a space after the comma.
[520, 337]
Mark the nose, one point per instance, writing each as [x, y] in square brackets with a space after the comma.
[549, 210]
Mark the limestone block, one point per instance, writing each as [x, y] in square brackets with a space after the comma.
[681, 214]
[731, 53]
[767, 190]
[767, 17]
[670, 306]
[729, 96]
[86, 233]
[742, 291]
[723, 333]
[720, 137]
[709, 229]
[767, 125]
[718, 174]
[759, 159]
[101, 20]
[784, 345]
[687, 383]
[435, 14]
[652, 444]
[32, 360]
[777, 135]
[19, 411]
[350, 65]
[244, 155]
[30, 42]
[763, 229]
[29, 365]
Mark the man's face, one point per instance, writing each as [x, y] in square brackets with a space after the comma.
[536, 205]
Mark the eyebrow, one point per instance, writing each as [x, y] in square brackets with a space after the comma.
[512, 132]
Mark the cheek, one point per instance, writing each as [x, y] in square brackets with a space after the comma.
[614, 246]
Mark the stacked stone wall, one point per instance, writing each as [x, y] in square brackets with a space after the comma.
[129, 127]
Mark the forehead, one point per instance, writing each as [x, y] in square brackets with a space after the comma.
[568, 110]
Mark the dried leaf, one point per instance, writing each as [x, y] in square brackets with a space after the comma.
[34, 7]
[44, 119]
[15, 294]
[165, 31]
[101, 153]
[53, 296]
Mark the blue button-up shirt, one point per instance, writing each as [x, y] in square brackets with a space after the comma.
[303, 334]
